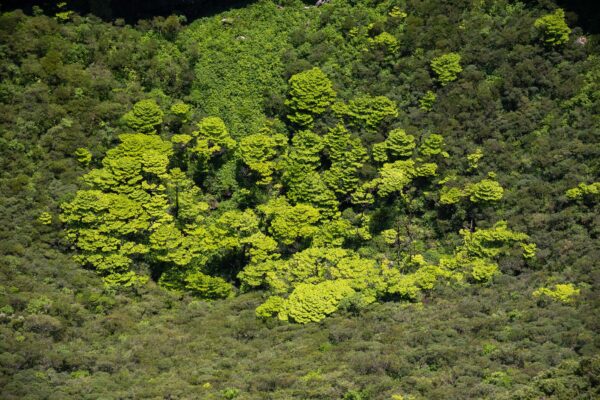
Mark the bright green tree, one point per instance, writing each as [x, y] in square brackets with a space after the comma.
[473, 159]
[432, 146]
[212, 138]
[136, 208]
[423, 276]
[260, 153]
[289, 223]
[145, 116]
[451, 195]
[45, 218]
[108, 222]
[312, 303]
[395, 177]
[427, 101]
[83, 155]
[301, 177]
[386, 42]
[562, 292]
[367, 112]
[333, 272]
[583, 191]
[311, 93]
[553, 28]
[481, 249]
[347, 156]
[446, 67]
[181, 111]
[484, 191]
[398, 144]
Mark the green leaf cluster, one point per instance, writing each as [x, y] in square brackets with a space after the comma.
[292, 216]
[311, 93]
[446, 67]
[553, 28]
[261, 153]
[145, 116]
[584, 191]
[561, 292]
[367, 112]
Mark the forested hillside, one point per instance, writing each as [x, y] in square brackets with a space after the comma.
[358, 200]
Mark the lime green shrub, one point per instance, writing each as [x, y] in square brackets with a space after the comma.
[447, 67]
[553, 28]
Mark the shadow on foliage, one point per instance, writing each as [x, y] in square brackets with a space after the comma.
[132, 11]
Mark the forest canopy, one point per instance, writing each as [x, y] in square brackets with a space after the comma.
[357, 200]
[297, 225]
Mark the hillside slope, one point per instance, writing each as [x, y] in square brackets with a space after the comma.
[530, 108]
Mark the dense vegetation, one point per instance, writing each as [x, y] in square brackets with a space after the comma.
[363, 200]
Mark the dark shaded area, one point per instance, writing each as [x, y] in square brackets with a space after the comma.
[132, 11]
[582, 13]
[585, 12]
[588, 13]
